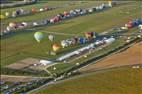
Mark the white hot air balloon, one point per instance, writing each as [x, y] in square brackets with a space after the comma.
[51, 37]
[7, 14]
[64, 44]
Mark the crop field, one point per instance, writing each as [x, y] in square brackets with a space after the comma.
[133, 55]
[115, 81]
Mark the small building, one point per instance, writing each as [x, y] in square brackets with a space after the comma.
[45, 62]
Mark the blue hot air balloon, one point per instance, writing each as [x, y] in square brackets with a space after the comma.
[82, 40]
[38, 36]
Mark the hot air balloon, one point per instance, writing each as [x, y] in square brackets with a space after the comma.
[8, 28]
[41, 9]
[35, 24]
[24, 24]
[12, 24]
[38, 36]
[2, 16]
[46, 7]
[55, 47]
[14, 14]
[34, 10]
[74, 40]
[51, 37]
[7, 14]
[110, 3]
[89, 35]
[66, 14]
[64, 44]
[82, 40]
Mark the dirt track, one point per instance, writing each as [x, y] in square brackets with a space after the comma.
[131, 56]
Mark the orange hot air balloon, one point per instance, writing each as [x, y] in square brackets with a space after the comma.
[55, 47]
[34, 10]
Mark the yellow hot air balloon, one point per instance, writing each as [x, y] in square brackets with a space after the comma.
[2, 16]
[55, 47]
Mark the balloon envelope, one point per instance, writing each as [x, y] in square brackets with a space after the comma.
[2, 16]
[7, 14]
[82, 40]
[56, 47]
[51, 37]
[38, 36]
[64, 43]
[12, 24]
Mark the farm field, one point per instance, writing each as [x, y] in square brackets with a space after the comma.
[119, 81]
[130, 56]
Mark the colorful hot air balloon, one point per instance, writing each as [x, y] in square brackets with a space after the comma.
[89, 35]
[51, 37]
[38, 36]
[55, 47]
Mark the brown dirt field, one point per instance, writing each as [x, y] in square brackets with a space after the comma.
[23, 63]
[131, 56]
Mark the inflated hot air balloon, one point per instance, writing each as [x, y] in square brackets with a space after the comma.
[34, 10]
[55, 47]
[41, 9]
[7, 14]
[2, 16]
[51, 37]
[82, 40]
[89, 35]
[46, 7]
[14, 14]
[74, 40]
[110, 3]
[66, 13]
[12, 24]
[64, 44]
[38, 36]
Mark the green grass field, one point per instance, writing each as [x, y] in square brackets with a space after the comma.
[22, 45]
[114, 81]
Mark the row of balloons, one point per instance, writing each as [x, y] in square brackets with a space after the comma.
[64, 43]
[20, 12]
